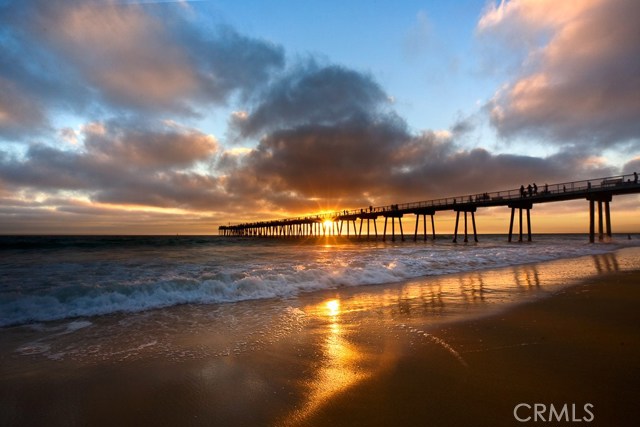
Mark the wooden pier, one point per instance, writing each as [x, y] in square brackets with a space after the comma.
[599, 190]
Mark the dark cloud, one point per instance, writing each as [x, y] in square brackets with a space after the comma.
[228, 62]
[464, 125]
[313, 94]
[381, 162]
[583, 85]
[312, 158]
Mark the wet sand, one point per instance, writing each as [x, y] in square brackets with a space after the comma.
[353, 357]
[577, 347]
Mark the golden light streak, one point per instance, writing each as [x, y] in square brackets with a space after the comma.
[339, 369]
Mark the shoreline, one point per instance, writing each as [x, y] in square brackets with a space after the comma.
[400, 354]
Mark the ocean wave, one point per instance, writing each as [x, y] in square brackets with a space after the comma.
[131, 287]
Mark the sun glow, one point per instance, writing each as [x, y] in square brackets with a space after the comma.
[328, 224]
[333, 307]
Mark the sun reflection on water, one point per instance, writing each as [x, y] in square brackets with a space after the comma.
[333, 307]
[340, 359]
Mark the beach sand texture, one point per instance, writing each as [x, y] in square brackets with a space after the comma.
[354, 357]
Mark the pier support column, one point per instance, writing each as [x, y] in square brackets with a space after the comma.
[520, 206]
[592, 231]
[393, 217]
[424, 228]
[424, 213]
[393, 229]
[513, 212]
[602, 219]
[433, 227]
[473, 221]
[466, 231]
[455, 230]
[466, 239]
[600, 225]
[520, 214]
[384, 233]
[607, 213]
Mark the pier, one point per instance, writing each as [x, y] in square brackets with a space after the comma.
[598, 190]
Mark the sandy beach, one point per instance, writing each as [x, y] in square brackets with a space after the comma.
[398, 355]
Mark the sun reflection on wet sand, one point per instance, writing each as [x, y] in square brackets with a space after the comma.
[339, 368]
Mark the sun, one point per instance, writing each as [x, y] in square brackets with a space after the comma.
[328, 223]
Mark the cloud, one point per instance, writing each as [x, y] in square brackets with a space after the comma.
[313, 94]
[380, 162]
[69, 215]
[229, 62]
[122, 166]
[89, 57]
[119, 49]
[580, 82]
[18, 112]
[150, 150]
[346, 158]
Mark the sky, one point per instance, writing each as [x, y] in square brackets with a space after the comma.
[161, 117]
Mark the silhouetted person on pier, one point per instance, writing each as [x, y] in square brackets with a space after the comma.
[535, 188]
[635, 177]
[589, 185]
[530, 190]
[522, 191]
[546, 188]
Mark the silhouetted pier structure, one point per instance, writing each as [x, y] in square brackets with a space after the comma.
[599, 190]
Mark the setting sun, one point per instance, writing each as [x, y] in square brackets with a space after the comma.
[328, 223]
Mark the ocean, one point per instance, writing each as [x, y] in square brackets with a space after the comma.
[108, 299]
[52, 278]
